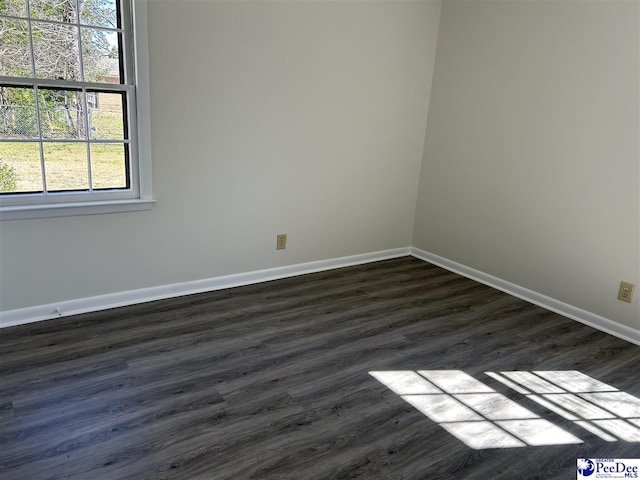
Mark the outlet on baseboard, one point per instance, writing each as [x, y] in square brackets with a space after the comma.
[281, 241]
[625, 293]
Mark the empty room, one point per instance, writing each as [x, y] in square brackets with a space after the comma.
[319, 239]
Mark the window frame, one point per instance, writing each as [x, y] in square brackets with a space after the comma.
[136, 86]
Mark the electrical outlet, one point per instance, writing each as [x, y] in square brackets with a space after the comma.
[281, 241]
[625, 293]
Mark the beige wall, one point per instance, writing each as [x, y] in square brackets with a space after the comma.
[299, 117]
[531, 157]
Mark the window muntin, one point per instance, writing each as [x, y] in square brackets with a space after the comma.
[67, 102]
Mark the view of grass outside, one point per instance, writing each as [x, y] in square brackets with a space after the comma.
[66, 163]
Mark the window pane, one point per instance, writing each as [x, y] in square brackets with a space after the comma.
[100, 56]
[62, 113]
[101, 13]
[66, 166]
[106, 115]
[72, 135]
[109, 165]
[20, 167]
[58, 10]
[17, 113]
[56, 51]
[16, 8]
[16, 54]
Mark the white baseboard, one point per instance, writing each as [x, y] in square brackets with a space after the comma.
[596, 321]
[66, 308]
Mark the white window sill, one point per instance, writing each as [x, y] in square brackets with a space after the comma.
[71, 209]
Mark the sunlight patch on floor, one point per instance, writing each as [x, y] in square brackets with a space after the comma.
[595, 406]
[405, 382]
[472, 411]
[483, 418]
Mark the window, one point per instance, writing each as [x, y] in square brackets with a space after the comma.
[73, 90]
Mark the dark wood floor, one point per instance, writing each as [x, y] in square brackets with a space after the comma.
[271, 381]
